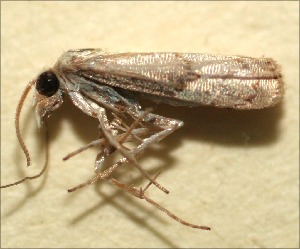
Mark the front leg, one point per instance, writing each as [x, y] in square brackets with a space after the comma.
[108, 134]
[116, 125]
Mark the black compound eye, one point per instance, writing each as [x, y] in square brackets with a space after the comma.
[47, 84]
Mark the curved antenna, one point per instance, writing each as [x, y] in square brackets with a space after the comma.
[17, 119]
[41, 172]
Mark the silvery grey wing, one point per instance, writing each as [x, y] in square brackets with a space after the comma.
[182, 78]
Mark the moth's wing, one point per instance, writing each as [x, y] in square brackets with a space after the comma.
[184, 78]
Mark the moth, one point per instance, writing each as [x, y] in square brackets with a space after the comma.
[101, 83]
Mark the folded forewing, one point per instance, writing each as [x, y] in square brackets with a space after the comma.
[183, 78]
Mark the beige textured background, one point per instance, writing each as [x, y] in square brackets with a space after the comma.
[236, 172]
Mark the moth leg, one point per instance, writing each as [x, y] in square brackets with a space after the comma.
[106, 129]
[106, 173]
[115, 125]
[134, 134]
[108, 133]
[140, 193]
[128, 132]
[166, 126]
[101, 156]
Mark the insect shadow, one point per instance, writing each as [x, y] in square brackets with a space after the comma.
[225, 127]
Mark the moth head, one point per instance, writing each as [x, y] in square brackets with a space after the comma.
[48, 95]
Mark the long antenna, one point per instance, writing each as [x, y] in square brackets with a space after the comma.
[40, 173]
[22, 144]
[17, 118]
